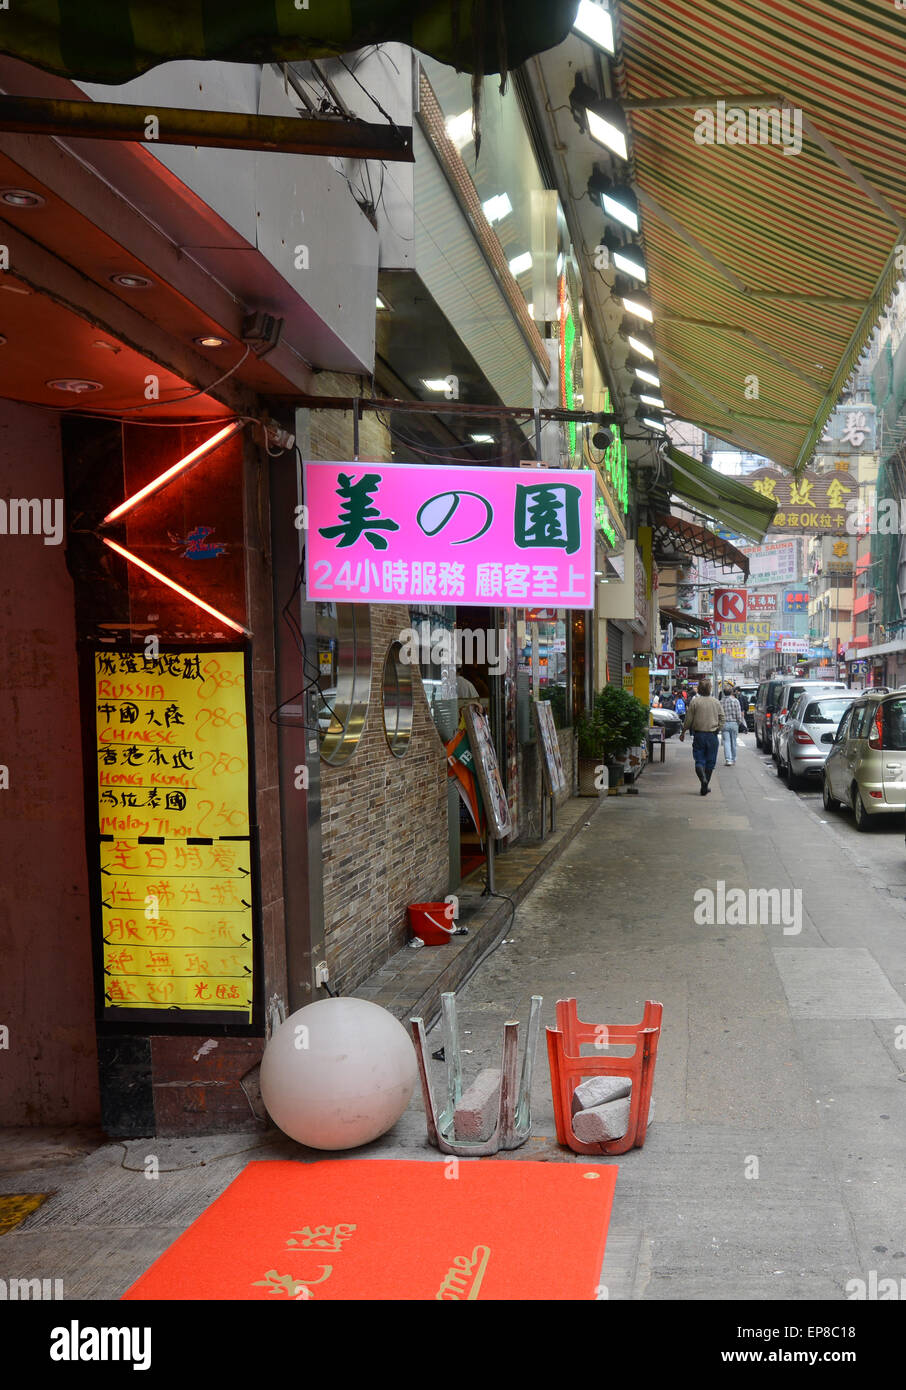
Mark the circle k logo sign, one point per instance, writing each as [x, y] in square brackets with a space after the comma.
[730, 605]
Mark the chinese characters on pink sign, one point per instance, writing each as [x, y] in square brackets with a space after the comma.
[398, 533]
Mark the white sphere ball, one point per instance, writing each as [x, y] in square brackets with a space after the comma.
[338, 1073]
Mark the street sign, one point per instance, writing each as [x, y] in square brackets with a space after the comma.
[730, 605]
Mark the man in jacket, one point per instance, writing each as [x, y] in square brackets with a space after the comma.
[705, 718]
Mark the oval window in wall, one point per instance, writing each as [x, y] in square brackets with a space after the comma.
[340, 703]
[396, 700]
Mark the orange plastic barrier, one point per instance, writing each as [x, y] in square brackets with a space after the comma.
[568, 1067]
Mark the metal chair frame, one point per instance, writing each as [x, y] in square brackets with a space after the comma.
[514, 1113]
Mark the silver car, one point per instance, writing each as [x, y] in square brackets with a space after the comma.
[866, 766]
[808, 734]
[785, 700]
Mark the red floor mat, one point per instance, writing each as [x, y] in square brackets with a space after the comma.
[388, 1229]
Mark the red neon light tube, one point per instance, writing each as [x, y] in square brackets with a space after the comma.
[179, 467]
[177, 588]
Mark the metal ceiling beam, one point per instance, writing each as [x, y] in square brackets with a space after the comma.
[491, 412]
[105, 120]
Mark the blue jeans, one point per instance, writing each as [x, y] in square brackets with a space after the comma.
[704, 750]
[730, 732]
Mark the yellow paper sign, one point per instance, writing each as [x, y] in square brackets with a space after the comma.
[173, 815]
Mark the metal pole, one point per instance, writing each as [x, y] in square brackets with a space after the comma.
[107, 120]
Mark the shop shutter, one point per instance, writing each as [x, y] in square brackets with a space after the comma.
[614, 654]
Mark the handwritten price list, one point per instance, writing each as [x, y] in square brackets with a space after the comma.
[175, 854]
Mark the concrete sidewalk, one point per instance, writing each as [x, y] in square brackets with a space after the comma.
[774, 1167]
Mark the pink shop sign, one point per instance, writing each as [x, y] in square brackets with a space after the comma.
[400, 533]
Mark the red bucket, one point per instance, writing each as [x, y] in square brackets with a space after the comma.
[431, 923]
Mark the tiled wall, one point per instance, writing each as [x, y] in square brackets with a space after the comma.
[383, 819]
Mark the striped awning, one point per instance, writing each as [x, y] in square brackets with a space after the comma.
[114, 40]
[726, 500]
[768, 268]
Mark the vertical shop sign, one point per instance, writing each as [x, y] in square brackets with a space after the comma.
[174, 848]
[549, 744]
[493, 794]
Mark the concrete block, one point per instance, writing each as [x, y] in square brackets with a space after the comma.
[598, 1090]
[605, 1122]
[476, 1114]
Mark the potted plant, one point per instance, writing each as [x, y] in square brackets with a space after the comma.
[622, 721]
[590, 737]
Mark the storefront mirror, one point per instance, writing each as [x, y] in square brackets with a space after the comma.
[340, 702]
[396, 700]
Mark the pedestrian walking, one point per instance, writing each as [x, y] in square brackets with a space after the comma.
[680, 706]
[705, 717]
[734, 722]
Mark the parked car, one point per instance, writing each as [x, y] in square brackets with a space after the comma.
[866, 765]
[668, 720]
[765, 705]
[808, 734]
[791, 688]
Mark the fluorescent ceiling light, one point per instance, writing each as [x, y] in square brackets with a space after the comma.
[380, 303]
[520, 264]
[621, 212]
[531, 310]
[606, 133]
[654, 424]
[177, 588]
[435, 383]
[631, 267]
[482, 438]
[641, 311]
[595, 24]
[459, 128]
[652, 400]
[497, 208]
[641, 348]
[647, 376]
[181, 466]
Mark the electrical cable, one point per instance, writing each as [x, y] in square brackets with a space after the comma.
[488, 894]
[176, 400]
[250, 1148]
[385, 114]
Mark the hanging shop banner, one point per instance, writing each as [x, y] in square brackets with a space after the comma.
[174, 850]
[762, 603]
[493, 794]
[755, 627]
[461, 767]
[554, 775]
[400, 533]
[811, 502]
